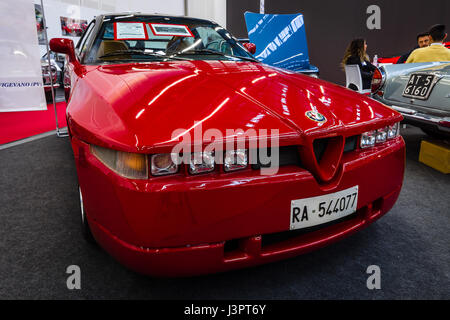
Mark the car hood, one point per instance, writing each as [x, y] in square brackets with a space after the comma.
[149, 107]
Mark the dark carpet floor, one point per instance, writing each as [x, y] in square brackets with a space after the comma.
[39, 238]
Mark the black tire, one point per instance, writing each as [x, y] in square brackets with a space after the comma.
[85, 229]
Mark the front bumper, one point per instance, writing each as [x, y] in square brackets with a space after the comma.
[165, 227]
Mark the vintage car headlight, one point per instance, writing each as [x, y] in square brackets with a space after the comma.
[201, 162]
[125, 164]
[163, 164]
[393, 130]
[368, 139]
[235, 160]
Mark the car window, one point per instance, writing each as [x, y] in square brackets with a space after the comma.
[81, 46]
[125, 39]
[214, 41]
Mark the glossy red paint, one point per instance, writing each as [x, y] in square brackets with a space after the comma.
[179, 225]
[172, 226]
[136, 107]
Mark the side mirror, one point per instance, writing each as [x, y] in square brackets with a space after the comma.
[251, 47]
[65, 46]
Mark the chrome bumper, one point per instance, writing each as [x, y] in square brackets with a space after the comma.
[442, 123]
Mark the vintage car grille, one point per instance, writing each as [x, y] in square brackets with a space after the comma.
[320, 145]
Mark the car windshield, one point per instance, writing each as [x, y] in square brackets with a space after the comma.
[149, 38]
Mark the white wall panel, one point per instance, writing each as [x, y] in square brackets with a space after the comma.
[215, 10]
[88, 9]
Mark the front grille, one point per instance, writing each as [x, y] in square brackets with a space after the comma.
[288, 156]
[320, 145]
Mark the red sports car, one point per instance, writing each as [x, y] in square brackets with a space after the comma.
[194, 158]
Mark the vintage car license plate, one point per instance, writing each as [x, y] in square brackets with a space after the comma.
[322, 209]
[419, 86]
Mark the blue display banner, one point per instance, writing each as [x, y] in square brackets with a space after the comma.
[280, 40]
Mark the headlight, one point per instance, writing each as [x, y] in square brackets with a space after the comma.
[125, 164]
[368, 139]
[381, 135]
[235, 160]
[162, 164]
[393, 130]
[201, 162]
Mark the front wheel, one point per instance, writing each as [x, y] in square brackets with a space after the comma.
[85, 229]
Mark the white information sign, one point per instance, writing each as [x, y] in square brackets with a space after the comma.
[21, 86]
[130, 30]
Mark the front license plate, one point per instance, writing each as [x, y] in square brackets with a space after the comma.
[322, 209]
[419, 86]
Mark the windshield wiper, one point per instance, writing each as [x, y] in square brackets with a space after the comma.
[124, 52]
[208, 51]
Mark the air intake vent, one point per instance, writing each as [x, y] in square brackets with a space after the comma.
[288, 156]
[350, 143]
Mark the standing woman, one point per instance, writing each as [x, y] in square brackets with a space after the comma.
[356, 54]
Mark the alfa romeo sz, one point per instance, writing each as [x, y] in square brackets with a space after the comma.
[193, 157]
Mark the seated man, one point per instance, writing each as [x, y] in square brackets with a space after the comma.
[423, 41]
[436, 51]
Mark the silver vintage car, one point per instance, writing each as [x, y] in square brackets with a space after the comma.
[419, 91]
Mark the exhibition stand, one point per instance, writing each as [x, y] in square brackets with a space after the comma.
[20, 125]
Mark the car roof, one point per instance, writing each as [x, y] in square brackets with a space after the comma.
[155, 15]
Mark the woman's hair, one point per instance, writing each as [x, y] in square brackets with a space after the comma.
[355, 48]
